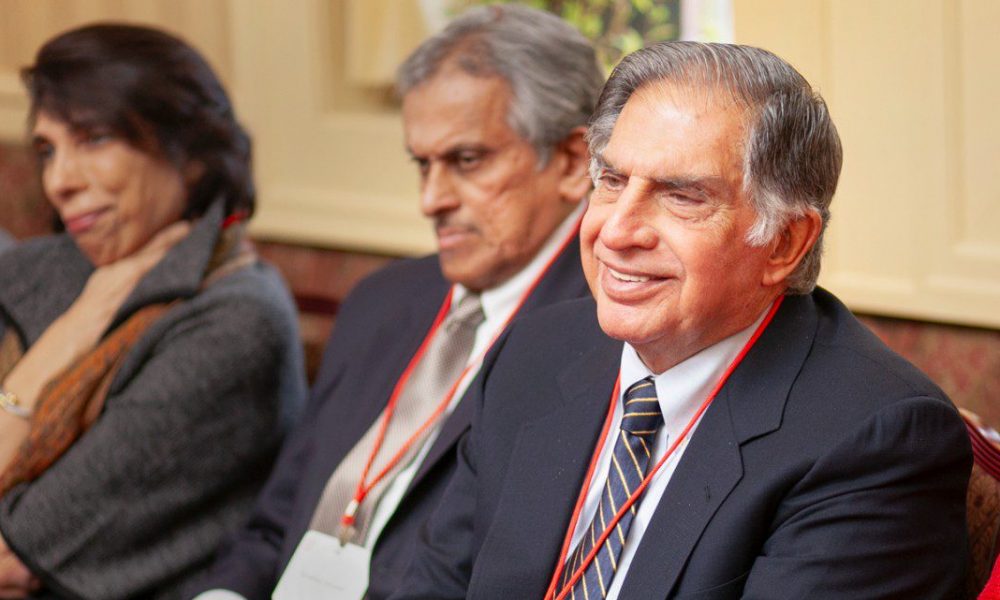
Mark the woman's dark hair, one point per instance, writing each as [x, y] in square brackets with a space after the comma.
[155, 91]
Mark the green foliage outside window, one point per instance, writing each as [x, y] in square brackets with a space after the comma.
[617, 27]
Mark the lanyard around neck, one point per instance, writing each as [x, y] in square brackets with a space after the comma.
[588, 478]
[364, 485]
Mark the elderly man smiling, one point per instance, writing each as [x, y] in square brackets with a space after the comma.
[494, 109]
[714, 427]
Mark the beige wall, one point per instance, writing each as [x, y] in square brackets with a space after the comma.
[911, 85]
[26, 24]
[909, 82]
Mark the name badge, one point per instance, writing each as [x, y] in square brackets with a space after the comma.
[323, 569]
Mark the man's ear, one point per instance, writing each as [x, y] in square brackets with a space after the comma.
[572, 158]
[791, 245]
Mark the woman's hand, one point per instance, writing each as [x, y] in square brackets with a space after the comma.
[78, 330]
[16, 581]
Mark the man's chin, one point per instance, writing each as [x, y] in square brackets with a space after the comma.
[463, 270]
[632, 324]
[617, 326]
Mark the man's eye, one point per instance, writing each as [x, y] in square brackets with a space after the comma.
[686, 200]
[468, 160]
[423, 165]
[611, 182]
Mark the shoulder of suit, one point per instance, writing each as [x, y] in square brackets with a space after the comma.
[398, 286]
[845, 344]
[559, 325]
[403, 274]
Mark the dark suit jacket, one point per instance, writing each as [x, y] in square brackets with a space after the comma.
[827, 467]
[379, 328]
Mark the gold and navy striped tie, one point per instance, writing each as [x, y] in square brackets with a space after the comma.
[630, 460]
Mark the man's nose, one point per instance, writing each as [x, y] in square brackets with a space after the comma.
[437, 190]
[630, 223]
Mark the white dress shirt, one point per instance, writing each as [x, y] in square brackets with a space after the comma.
[680, 390]
[499, 304]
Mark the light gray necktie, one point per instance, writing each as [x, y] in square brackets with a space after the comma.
[437, 370]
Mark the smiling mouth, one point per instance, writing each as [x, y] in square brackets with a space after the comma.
[629, 278]
[83, 222]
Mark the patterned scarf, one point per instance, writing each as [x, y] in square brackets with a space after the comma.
[70, 403]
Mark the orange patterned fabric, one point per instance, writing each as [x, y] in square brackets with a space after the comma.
[73, 400]
[10, 352]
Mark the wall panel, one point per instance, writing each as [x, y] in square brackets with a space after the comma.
[330, 161]
[26, 24]
[911, 85]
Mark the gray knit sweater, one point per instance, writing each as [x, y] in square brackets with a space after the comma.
[192, 421]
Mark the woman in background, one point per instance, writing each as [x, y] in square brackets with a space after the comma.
[149, 363]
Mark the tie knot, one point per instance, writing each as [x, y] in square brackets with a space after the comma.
[467, 313]
[641, 413]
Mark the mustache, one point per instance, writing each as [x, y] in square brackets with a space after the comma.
[450, 223]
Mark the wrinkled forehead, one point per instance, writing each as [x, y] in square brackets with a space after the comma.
[684, 115]
[697, 92]
[699, 99]
[454, 105]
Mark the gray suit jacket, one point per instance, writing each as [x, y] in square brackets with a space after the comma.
[192, 422]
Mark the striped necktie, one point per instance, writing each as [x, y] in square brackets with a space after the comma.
[630, 460]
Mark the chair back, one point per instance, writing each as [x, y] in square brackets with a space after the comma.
[983, 505]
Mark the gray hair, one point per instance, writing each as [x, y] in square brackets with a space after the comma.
[792, 154]
[551, 68]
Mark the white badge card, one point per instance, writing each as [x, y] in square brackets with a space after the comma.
[323, 569]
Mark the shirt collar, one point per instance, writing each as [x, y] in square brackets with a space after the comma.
[689, 382]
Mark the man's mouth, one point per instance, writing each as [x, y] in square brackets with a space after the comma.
[627, 277]
[450, 236]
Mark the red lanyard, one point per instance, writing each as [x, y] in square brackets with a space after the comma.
[365, 486]
[551, 592]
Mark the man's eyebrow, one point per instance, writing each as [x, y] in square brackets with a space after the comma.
[460, 148]
[453, 151]
[698, 184]
[602, 164]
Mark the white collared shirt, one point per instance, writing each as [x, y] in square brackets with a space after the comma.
[680, 390]
[499, 304]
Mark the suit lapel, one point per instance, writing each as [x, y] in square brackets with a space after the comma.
[451, 430]
[391, 359]
[563, 281]
[749, 406]
[546, 470]
[341, 419]
[710, 468]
